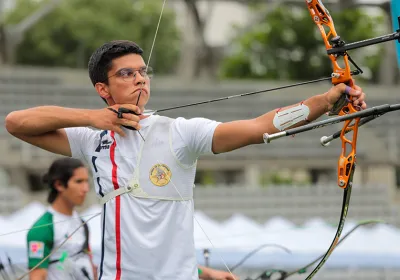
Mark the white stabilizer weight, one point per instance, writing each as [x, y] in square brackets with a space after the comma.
[291, 116]
[324, 142]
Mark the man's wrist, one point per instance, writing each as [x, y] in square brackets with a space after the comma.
[88, 117]
[327, 101]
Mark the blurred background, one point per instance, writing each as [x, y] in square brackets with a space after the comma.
[284, 192]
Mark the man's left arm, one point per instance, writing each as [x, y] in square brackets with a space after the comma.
[237, 134]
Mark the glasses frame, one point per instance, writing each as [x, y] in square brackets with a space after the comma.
[145, 71]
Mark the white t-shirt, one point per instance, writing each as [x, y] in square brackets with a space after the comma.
[142, 238]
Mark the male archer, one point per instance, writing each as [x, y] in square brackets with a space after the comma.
[147, 224]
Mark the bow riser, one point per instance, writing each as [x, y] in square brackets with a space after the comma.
[347, 161]
[323, 20]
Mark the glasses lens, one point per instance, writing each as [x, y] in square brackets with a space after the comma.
[127, 74]
[149, 73]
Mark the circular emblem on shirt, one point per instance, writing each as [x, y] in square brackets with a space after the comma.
[160, 175]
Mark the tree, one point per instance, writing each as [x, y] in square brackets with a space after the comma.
[12, 35]
[205, 58]
[285, 44]
[68, 35]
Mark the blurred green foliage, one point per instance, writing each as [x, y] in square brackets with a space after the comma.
[67, 36]
[285, 43]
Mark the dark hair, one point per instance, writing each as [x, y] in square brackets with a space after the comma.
[100, 61]
[62, 170]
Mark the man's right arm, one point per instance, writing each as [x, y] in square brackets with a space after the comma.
[44, 126]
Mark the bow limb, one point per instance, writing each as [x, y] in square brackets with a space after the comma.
[255, 251]
[282, 274]
[360, 224]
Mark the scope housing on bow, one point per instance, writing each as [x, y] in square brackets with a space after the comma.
[341, 48]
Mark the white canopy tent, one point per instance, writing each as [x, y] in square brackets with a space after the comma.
[377, 246]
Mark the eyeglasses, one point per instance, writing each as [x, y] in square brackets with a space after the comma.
[129, 74]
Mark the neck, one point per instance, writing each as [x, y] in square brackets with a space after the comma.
[62, 206]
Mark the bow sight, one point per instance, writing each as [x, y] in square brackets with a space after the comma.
[339, 47]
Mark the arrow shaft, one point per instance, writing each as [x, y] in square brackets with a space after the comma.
[244, 94]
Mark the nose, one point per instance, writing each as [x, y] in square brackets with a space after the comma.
[85, 188]
[139, 79]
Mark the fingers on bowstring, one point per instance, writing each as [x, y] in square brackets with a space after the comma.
[130, 123]
[131, 107]
[131, 117]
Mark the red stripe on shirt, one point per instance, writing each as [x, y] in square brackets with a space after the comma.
[117, 208]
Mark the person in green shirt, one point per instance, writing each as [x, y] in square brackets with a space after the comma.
[68, 181]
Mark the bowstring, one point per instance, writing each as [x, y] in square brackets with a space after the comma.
[187, 205]
[199, 224]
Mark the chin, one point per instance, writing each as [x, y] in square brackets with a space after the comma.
[79, 203]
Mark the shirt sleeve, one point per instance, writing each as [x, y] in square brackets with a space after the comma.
[40, 244]
[192, 138]
[79, 139]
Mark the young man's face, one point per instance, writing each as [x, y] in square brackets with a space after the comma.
[125, 82]
[77, 187]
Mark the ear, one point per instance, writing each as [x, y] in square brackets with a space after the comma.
[59, 186]
[104, 92]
